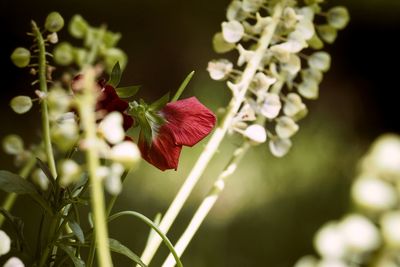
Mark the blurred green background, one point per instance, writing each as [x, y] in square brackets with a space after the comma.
[271, 207]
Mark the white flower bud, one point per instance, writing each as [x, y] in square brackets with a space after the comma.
[305, 27]
[14, 262]
[306, 261]
[40, 178]
[111, 128]
[5, 243]
[374, 194]
[271, 106]
[359, 234]
[320, 61]
[338, 17]
[256, 133]
[286, 127]
[235, 11]
[307, 12]
[294, 106]
[252, 5]
[13, 144]
[279, 147]
[232, 31]
[52, 38]
[113, 180]
[69, 172]
[390, 222]
[127, 153]
[219, 69]
[327, 33]
[262, 82]
[329, 242]
[292, 65]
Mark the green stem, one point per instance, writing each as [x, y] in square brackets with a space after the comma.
[207, 204]
[9, 201]
[182, 87]
[55, 221]
[218, 135]
[92, 248]
[86, 104]
[43, 87]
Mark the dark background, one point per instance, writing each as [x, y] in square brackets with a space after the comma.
[269, 212]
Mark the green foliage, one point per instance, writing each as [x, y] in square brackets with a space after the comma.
[115, 76]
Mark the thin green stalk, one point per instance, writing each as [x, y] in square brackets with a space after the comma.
[55, 221]
[217, 136]
[182, 87]
[43, 87]
[207, 203]
[9, 201]
[86, 104]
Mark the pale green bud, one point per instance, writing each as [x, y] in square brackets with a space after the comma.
[54, 22]
[63, 54]
[286, 127]
[315, 42]
[13, 144]
[294, 107]
[338, 17]
[252, 5]
[21, 104]
[311, 74]
[53, 38]
[70, 172]
[308, 89]
[293, 65]
[111, 39]
[320, 61]
[279, 147]
[21, 57]
[232, 31]
[80, 56]
[327, 33]
[220, 45]
[78, 27]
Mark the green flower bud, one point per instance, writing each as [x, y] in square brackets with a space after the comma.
[327, 33]
[13, 144]
[63, 54]
[40, 178]
[21, 57]
[338, 17]
[80, 56]
[114, 55]
[220, 45]
[78, 27]
[54, 22]
[320, 61]
[21, 104]
[111, 39]
[308, 89]
[315, 42]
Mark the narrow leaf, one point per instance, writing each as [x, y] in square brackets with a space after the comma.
[71, 254]
[115, 76]
[128, 91]
[46, 171]
[183, 86]
[13, 183]
[77, 230]
[117, 247]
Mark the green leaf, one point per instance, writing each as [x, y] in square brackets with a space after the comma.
[117, 247]
[115, 76]
[160, 103]
[77, 230]
[149, 222]
[128, 91]
[13, 183]
[71, 254]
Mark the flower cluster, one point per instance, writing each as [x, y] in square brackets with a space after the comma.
[369, 236]
[288, 70]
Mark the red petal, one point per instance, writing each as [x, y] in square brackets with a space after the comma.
[163, 153]
[188, 120]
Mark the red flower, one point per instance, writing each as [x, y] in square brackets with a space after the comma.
[107, 101]
[187, 122]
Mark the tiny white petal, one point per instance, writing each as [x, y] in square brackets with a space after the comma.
[232, 31]
[279, 147]
[256, 133]
[271, 106]
[219, 69]
[5, 243]
[111, 127]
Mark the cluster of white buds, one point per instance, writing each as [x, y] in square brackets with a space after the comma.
[5, 245]
[290, 68]
[370, 237]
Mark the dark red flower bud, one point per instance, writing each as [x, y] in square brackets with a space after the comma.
[107, 101]
[187, 122]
